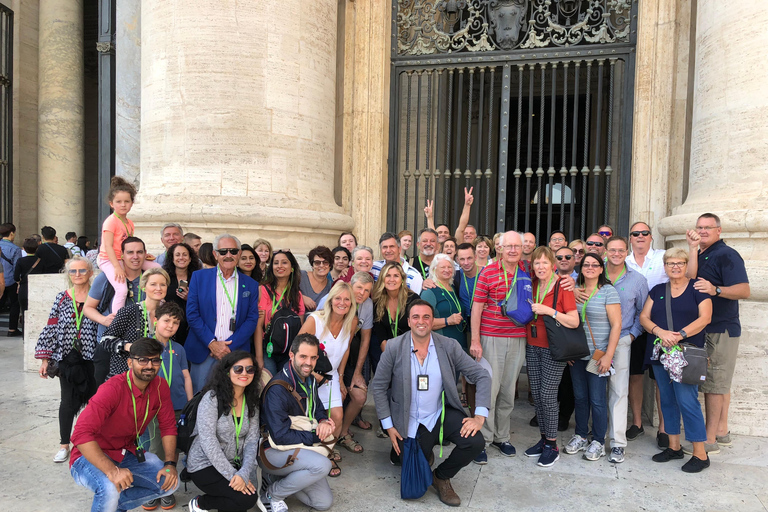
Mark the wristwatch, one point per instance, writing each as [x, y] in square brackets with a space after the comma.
[683, 334]
[170, 463]
[718, 291]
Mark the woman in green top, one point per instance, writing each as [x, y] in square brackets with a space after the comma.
[448, 320]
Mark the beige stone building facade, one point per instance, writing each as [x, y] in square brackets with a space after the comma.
[272, 119]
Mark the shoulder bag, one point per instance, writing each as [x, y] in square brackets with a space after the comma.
[565, 344]
[695, 372]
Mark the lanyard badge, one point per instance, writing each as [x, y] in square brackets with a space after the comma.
[139, 448]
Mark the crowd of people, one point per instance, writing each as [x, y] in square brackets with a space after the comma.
[270, 364]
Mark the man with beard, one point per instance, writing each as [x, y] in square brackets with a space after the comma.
[109, 458]
[222, 311]
[293, 392]
[427, 250]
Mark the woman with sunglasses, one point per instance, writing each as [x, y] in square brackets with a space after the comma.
[578, 251]
[67, 343]
[279, 292]
[248, 263]
[180, 264]
[600, 311]
[135, 321]
[264, 250]
[223, 453]
[316, 284]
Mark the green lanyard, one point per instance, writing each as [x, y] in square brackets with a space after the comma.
[169, 374]
[451, 296]
[309, 394]
[584, 309]
[148, 327]
[130, 233]
[506, 282]
[423, 272]
[232, 302]
[238, 427]
[279, 301]
[397, 321]
[135, 417]
[78, 318]
[474, 287]
[540, 299]
[623, 271]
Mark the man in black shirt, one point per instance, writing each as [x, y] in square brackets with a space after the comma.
[52, 255]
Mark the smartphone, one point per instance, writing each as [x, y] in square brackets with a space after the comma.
[183, 283]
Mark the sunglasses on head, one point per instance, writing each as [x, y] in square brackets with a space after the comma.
[231, 251]
[595, 244]
[564, 256]
[239, 369]
[644, 232]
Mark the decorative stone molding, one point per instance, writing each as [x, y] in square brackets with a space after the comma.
[105, 47]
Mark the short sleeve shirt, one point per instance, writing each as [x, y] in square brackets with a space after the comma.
[265, 305]
[597, 316]
[723, 266]
[118, 229]
[52, 257]
[180, 363]
[685, 309]
[565, 304]
[492, 288]
[466, 292]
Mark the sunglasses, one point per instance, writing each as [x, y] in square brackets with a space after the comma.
[579, 251]
[144, 361]
[224, 252]
[644, 232]
[564, 257]
[320, 263]
[605, 233]
[239, 369]
[75, 271]
[595, 244]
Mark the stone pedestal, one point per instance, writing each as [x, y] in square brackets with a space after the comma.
[61, 161]
[237, 131]
[43, 289]
[729, 176]
[128, 90]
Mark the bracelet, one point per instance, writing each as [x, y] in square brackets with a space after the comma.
[554, 315]
[170, 463]
[654, 328]
[446, 321]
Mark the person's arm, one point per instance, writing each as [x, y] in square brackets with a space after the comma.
[244, 333]
[641, 293]
[693, 238]
[614, 318]
[194, 318]
[464, 219]
[258, 340]
[365, 342]
[187, 384]
[276, 410]
[122, 478]
[250, 447]
[114, 337]
[2, 284]
[207, 425]
[735, 292]
[108, 239]
[342, 367]
[308, 326]
[475, 349]
[90, 311]
[705, 317]
[429, 212]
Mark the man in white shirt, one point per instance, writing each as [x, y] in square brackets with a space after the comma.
[389, 245]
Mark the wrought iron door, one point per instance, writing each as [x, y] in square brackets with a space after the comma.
[527, 101]
[6, 114]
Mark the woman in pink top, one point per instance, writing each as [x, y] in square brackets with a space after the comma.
[114, 231]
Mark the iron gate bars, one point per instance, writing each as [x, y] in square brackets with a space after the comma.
[6, 114]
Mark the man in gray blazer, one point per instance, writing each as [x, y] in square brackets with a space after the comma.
[416, 371]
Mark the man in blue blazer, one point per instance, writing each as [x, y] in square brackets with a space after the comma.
[222, 311]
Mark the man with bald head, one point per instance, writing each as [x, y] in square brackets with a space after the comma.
[529, 244]
[499, 340]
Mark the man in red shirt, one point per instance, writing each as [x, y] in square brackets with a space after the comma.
[497, 338]
[108, 457]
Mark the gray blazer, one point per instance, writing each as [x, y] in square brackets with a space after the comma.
[395, 369]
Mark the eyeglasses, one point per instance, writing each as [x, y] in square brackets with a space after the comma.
[595, 244]
[706, 228]
[75, 271]
[558, 239]
[644, 232]
[676, 264]
[512, 247]
[591, 266]
[564, 257]
[616, 251]
[320, 263]
[605, 233]
[224, 252]
[579, 251]
[239, 369]
[144, 361]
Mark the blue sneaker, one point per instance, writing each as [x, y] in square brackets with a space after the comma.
[535, 450]
[505, 448]
[550, 455]
[482, 458]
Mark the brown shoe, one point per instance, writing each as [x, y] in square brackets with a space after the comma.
[445, 492]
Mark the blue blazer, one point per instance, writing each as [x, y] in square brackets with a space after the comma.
[201, 314]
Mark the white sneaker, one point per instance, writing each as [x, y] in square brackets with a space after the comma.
[62, 455]
[595, 450]
[575, 445]
[194, 507]
[269, 504]
[616, 455]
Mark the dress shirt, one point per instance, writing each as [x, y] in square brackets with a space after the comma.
[224, 310]
[652, 269]
[633, 291]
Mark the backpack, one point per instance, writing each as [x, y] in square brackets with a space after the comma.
[517, 304]
[186, 423]
[283, 327]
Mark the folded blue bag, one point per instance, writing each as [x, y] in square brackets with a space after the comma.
[416, 475]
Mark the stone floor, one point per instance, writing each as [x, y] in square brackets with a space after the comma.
[737, 480]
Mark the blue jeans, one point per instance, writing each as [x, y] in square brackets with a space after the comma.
[590, 394]
[107, 498]
[676, 399]
[199, 373]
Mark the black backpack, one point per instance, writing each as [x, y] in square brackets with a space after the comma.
[186, 423]
[283, 327]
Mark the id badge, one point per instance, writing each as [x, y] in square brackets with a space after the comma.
[422, 382]
[232, 324]
[140, 455]
[533, 332]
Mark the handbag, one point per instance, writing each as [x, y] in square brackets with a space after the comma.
[415, 474]
[565, 344]
[695, 372]
[593, 366]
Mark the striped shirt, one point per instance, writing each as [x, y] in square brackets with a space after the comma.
[224, 310]
[413, 279]
[492, 289]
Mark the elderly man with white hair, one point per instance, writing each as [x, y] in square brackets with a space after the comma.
[222, 310]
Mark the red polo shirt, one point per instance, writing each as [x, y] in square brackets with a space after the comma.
[491, 289]
[108, 418]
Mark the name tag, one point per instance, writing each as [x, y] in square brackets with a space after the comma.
[232, 324]
[534, 334]
[422, 382]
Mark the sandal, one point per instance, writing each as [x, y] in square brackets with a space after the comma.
[335, 470]
[359, 422]
[350, 444]
[463, 397]
[335, 455]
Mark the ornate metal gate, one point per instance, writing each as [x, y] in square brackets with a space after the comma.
[6, 114]
[527, 101]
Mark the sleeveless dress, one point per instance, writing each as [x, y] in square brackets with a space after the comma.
[330, 392]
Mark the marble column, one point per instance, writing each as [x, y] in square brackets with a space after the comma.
[238, 115]
[729, 175]
[61, 167]
[128, 90]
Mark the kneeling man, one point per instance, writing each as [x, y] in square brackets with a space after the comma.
[419, 366]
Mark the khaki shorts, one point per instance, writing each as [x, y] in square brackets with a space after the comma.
[722, 351]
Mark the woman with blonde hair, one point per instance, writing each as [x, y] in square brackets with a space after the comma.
[334, 326]
[264, 251]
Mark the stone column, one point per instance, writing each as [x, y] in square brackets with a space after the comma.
[61, 167]
[729, 175]
[237, 111]
[128, 90]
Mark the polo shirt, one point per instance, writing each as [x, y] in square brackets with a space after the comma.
[491, 289]
[466, 287]
[723, 266]
[652, 269]
[413, 279]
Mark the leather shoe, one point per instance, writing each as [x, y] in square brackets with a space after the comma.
[445, 492]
